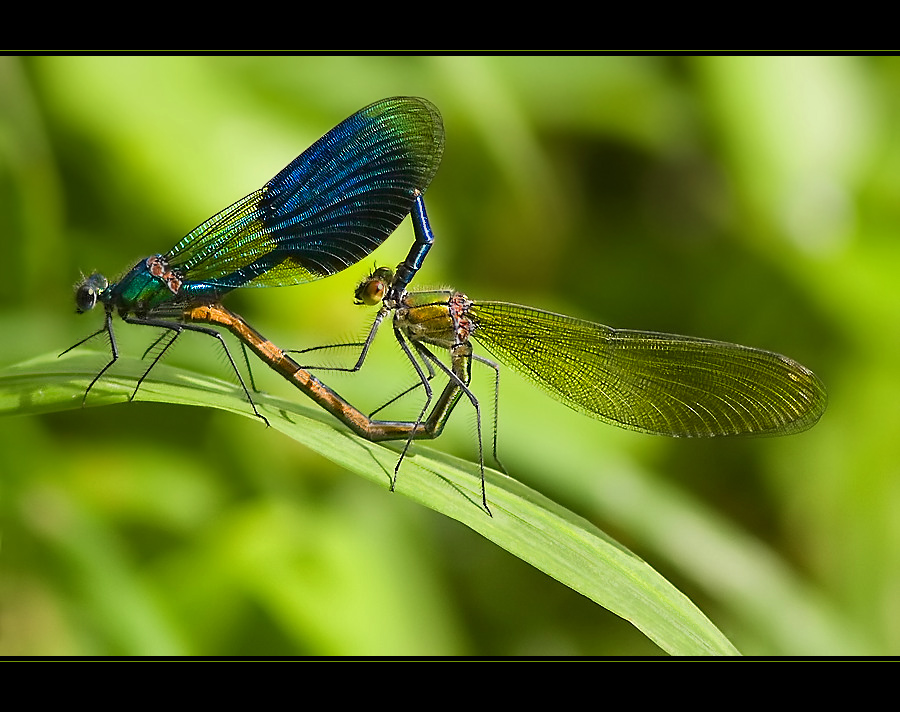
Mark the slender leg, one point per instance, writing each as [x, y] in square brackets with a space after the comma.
[383, 312]
[178, 328]
[488, 362]
[249, 370]
[428, 396]
[171, 335]
[428, 366]
[114, 352]
[460, 376]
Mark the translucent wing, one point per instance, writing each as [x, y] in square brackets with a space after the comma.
[651, 382]
[329, 208]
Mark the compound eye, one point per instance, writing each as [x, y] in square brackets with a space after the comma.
[374, 292]
[89, 292]
[371, 291]
[85, 298]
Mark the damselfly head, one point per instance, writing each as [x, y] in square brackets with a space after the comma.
[89, 292]
[372, 289]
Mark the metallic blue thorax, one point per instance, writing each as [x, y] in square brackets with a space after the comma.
[152, 285]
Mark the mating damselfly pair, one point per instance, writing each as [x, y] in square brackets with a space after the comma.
[338, 201]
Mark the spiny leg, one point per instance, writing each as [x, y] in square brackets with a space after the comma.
[178, 327]
[496, 368]
[461, 356]
[365, 345]
[249, 370]
[428, 396]
[413, 387]
[171, 335]
[155, 344]
[114, 351]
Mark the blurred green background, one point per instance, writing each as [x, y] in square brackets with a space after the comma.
[754, 200]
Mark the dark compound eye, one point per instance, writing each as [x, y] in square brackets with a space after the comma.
[89, 292]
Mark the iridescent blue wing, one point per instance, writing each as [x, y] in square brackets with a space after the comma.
[328, 209]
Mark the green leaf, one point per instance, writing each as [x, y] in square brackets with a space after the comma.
[525, 523]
